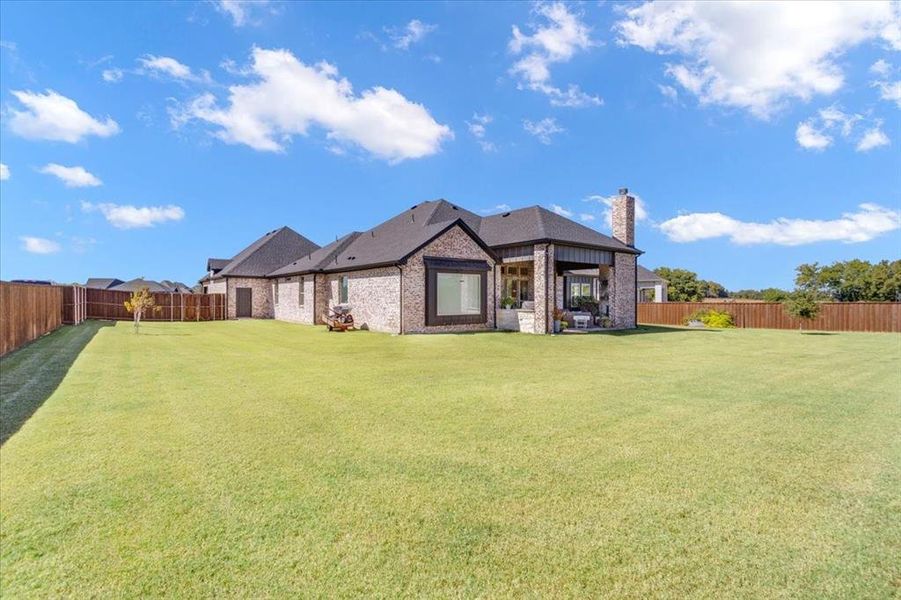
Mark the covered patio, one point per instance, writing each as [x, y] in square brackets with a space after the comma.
[535, 282]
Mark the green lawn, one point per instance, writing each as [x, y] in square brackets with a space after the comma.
[258, 458]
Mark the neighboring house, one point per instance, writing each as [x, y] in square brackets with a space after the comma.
[102, 283]
[651, 286]
[175, 287]
[138, 284]
[244, 279]
[439, 268]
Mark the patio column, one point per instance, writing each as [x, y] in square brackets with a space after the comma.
[545, 287]
[321, 294]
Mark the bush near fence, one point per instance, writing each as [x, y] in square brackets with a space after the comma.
[834, 316]
[28, 311]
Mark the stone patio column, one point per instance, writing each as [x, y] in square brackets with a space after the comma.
[543, 256]
[321, 291]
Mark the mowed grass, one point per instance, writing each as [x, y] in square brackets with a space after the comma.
[266, 459]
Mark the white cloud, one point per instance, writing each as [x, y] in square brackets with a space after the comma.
[126, 216]
[478, 128]
[641, 209]
[811, 138]
[872, 138]
[586, 217]
[669, 92]
[543, 129]
[113, 75]
[881, 68]
[241, 11]
[72, 176]
[557, 41]
[814, 133]
[561, 211]
[870, 221]
[4, 172]
[890, 90]
[290, 96]
[37, 245]
[166, 65]
[52, 116]
[757, 55]
[413, 32]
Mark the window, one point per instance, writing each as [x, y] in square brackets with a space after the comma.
[300, 291]
[459, 294]
[275, 291]
[456, 291]
[516, 283]
[342, 293]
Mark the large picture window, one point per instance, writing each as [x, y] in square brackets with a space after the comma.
[459, 294]
[456, 291]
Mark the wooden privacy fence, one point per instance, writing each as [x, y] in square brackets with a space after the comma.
[27, 312]
[109, 304]
[834, 316]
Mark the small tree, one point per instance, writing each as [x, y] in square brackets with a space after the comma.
[803, 305]
[139, 303]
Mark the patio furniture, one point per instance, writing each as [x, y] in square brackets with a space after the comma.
[581, 320]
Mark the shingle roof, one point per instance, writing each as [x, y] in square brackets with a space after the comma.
[138, 284]
[275, 249]
[648, 275]
[317, 260]
[217, 264]
[393, 240]
[535, 223]
[389, 242]
[102, 283]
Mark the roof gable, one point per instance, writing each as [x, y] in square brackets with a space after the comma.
[272, 251]
[536, 223]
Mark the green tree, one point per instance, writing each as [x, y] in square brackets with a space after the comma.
[774, 295]
[802, 305]
[682, 285]
[853, 280]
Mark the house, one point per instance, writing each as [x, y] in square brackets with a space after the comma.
[244, 279]
[138, 284]
[651, 286]
[102, 283]
[437, 267]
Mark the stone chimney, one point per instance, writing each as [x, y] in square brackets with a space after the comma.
[624, 217]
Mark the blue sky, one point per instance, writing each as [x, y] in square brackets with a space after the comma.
[140, 139]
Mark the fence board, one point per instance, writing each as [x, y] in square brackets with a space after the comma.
[834, 316]
[27, 312]
[110, 304]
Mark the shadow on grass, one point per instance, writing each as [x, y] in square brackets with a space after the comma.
[29, 375]
[816, 333]
[647, 329]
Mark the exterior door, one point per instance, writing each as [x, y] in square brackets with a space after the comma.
[244, 302]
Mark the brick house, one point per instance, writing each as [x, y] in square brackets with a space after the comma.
[436, 267]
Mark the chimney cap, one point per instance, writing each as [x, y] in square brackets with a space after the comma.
[623, 191]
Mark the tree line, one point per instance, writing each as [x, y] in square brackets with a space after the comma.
[842, 281]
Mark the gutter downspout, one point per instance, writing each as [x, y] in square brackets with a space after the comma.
[400, 304]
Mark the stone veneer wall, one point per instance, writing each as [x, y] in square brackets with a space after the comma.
[545, 287]
[289, 307]
[623, 292]
[455, 243]
[373, 294]
[261, 296]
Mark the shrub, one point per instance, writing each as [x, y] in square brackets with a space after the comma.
[587, 304]
[715, 319]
